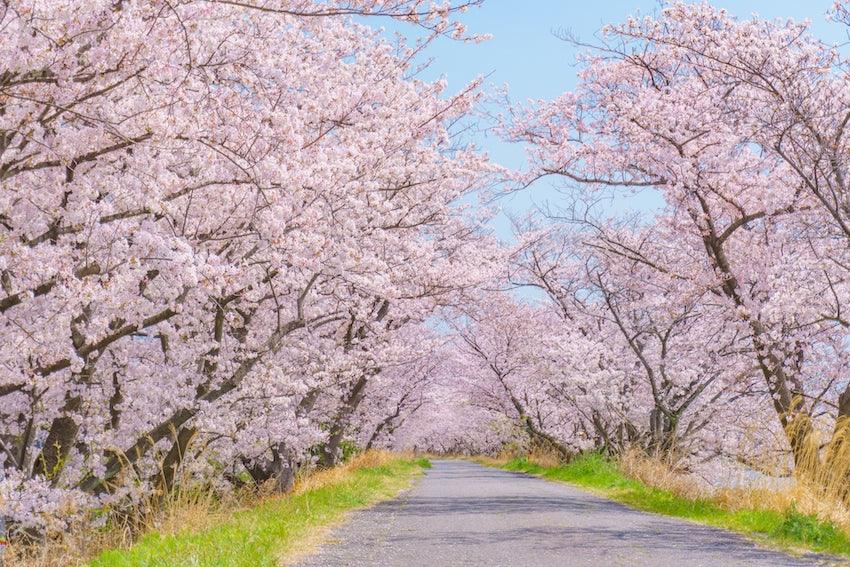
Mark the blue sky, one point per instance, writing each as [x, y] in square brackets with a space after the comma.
[526, 55]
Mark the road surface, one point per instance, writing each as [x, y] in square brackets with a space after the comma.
[463, 514]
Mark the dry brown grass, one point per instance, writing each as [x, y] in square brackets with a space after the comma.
[73, 548]
[820, 484]
[541, 456]
[310, 479]
[659, 473]
[798, 496]
[544, 457]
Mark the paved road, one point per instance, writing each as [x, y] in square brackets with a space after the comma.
[463, 514]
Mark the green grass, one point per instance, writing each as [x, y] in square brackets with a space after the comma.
[790, 530]
[262, 535]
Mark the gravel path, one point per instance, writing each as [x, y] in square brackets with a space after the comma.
[461, 513]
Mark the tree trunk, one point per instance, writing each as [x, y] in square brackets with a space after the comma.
[63, 430]
[60, 439]
[330, 453]
[663, 433]
[172, 461]
[281, 469]
[837, 460]
[796, 423]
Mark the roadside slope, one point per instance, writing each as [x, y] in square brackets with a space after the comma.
[265, 534]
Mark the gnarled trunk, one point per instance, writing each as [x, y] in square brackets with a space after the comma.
[279, 468]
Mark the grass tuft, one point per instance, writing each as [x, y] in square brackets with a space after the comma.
[807, 529]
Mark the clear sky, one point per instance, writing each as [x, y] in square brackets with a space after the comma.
[526, 55]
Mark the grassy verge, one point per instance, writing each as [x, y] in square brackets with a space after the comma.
[276, 527]
[789, 530]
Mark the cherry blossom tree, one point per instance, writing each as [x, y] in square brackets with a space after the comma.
[749, 234]
[207, 208]
[402, 389]
[672, 363]
[518, 361]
